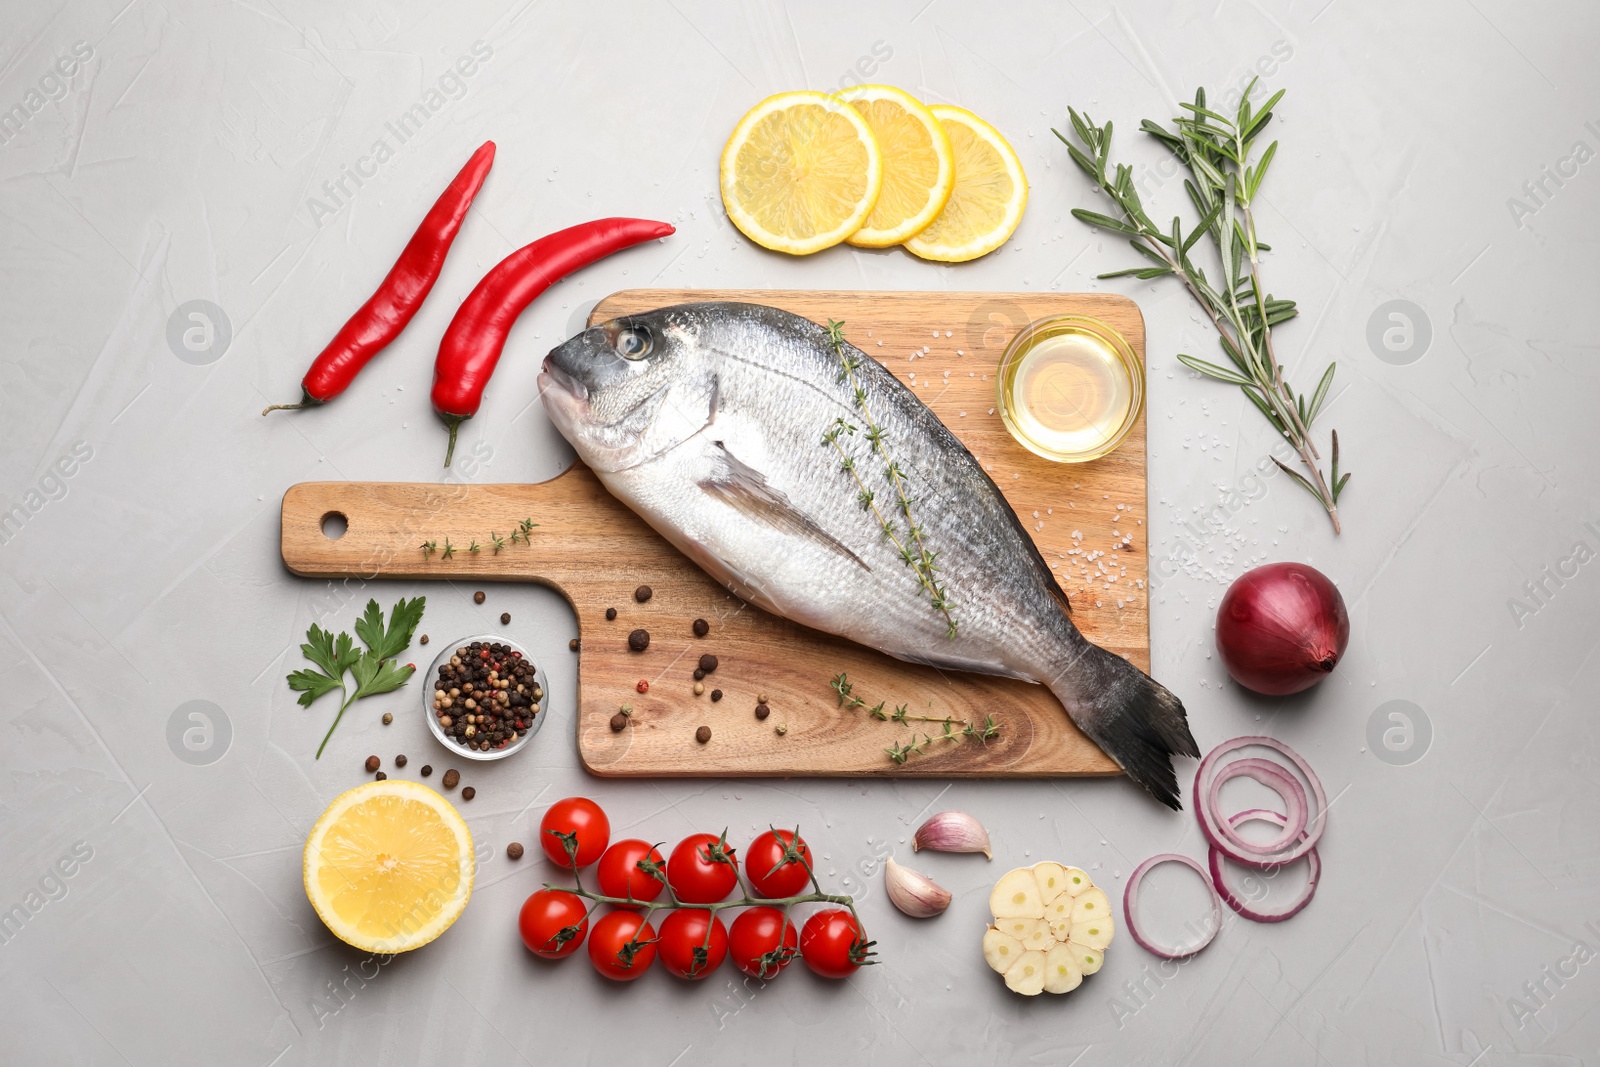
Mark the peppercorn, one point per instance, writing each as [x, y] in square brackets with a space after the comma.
[762, 711]
[761, 698]
[381, 777]
[699, 674]
[619, 722]
[468, 793]
[643, 593]
[427, 769]
[699, 687]
[639, 640]
[478, 597]
[703, 734]
[643, 685]
[451, 777]
[505, 618]
[373, 763]
[781, 729]
[716, 694]
[399, 761]
[573, 645]
[708, 663]
[701, 627]
[422, 640]
[514, 850]
[611, 614]
[388, 717]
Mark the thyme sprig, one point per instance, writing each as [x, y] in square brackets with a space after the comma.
[913, 552]
[898, 752]
[519, 533]
[1223, 185]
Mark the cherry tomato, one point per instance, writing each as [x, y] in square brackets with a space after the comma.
[683, 940]
[620, 875]
[553, 923]
[696, 875]
[622, 946]
[762, 942]
[832, 944]
[770, 874]
[574, 815]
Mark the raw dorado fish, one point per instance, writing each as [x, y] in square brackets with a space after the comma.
[708, 420]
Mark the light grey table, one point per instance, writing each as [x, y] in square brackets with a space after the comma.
[223, 161]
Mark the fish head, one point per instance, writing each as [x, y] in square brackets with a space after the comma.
[629, 390]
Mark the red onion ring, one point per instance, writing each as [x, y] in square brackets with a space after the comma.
[1274, 777]
[1130, 907]
[1211, 821]
[1242, 907]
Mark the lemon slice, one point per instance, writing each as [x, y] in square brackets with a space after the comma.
[389, 866]
[989, 196]
[919, 169]
[801, 172]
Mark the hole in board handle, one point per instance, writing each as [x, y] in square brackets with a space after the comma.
[334, 525]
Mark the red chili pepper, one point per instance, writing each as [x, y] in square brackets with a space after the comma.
[477, 335]
[406, 286]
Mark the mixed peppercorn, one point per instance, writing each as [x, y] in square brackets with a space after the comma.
[486, 696]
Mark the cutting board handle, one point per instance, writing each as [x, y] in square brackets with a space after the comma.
[386, 523]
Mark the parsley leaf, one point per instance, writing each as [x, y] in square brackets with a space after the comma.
[332, 654]
[387, 643]
[374, 670]
[312, 685]
[374, 675]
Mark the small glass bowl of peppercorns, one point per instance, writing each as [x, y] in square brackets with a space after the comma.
[484, 697]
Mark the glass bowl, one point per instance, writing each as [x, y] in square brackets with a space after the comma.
[450, 743]
[1070, 388]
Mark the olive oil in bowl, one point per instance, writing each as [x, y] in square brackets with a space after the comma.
[1070, 388]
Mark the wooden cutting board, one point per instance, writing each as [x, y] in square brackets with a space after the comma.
[1087, 519]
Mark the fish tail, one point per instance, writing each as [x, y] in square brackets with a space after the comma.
[1134, 719]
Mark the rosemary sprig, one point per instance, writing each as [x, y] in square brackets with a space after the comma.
[1222, 186]
[913, 552]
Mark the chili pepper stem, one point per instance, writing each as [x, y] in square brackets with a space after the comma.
[306, 401]
[454, 422]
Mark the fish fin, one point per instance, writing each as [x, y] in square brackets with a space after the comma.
[1133, 718]
[746, 489]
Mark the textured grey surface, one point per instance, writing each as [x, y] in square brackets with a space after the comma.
[179, 163]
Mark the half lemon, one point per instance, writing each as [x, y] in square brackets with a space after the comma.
[989, 194]
[389, 866]
[801, 172]
[919, 169]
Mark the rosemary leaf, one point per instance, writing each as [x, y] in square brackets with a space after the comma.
[1317, 398]
[1211, 370]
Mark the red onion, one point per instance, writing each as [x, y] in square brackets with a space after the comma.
[1130, 908]
[1212, 820]
[1241, 906]
[1281, 628]
[1274, 777]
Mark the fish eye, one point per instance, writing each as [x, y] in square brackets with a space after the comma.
[634, 342]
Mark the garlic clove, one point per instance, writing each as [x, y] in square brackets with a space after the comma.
[1091, 904]
[1094, 933]
[1016, 895]
[1061, 973]
[1026, 976]
[1089, 959]
[1052, 879]
[913, 892]
[952, 831]
[1000, 950]
[1077, 880]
